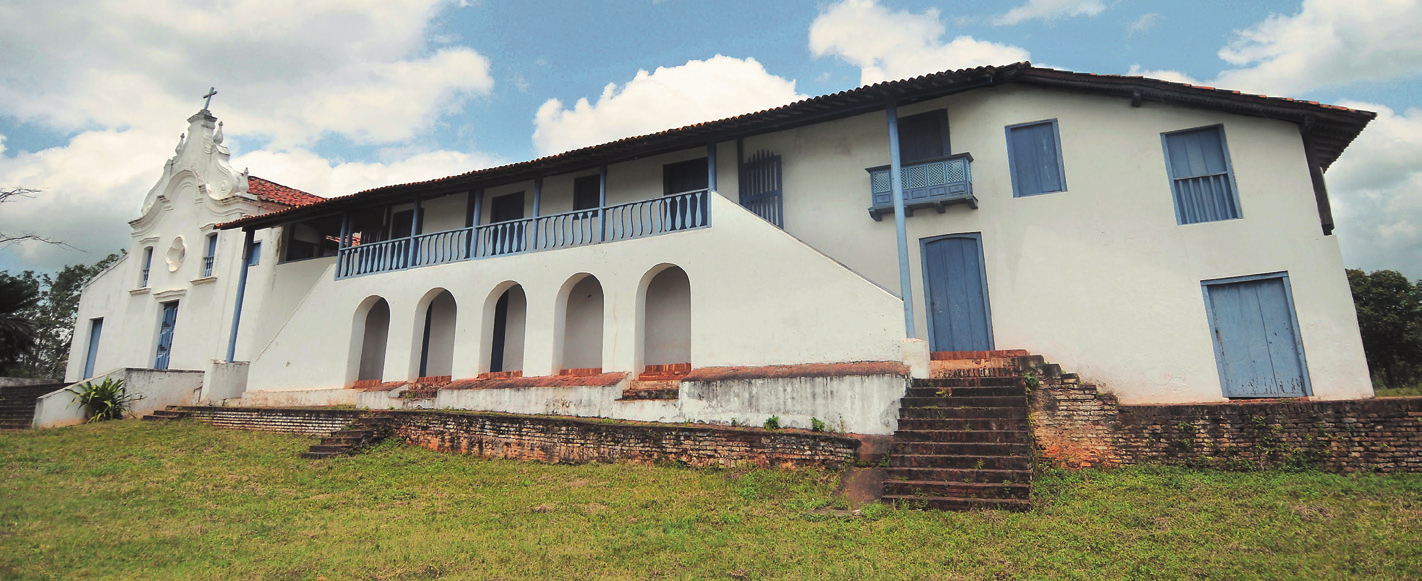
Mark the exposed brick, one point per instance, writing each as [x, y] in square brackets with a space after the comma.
[1076, 426]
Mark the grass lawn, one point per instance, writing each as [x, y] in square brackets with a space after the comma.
[182, 500]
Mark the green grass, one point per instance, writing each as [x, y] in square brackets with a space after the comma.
[179, 501]
[1410, 391]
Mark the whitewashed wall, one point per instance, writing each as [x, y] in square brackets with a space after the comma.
[1099, 278]
[759, 297]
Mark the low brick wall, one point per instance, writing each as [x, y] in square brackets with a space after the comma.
[1077, 427]
[311, 422]
[557, 439]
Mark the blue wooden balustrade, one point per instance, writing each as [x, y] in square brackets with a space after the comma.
[934, 183]
[567, 230]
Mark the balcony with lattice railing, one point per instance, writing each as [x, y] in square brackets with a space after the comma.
[935, 183]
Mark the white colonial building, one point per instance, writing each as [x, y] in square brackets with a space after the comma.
[1170, 243]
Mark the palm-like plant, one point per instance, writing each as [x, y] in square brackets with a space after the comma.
[18, 336]
[106, 400]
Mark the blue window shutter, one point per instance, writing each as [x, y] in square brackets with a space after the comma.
[1200, 176]
[1034, 154]
[256, 257]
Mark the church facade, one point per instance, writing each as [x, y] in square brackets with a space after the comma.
[1169, 243]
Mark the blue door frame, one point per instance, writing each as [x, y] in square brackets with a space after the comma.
[165, 335]
[1269, 350]
[96, 326]
[960, 316]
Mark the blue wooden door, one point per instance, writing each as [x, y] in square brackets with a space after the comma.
[96, 326]
[1256, 339]
[165, 335]
[958, 315]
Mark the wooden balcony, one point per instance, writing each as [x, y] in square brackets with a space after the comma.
[935, 183]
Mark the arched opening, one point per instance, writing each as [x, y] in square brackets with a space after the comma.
[582, 327]
[666, 320]
[373, 326]
[435, 330]
[505, 317]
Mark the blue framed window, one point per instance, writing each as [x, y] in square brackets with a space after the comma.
[1201, 177]
[209, 255]
[256, 257]
[1034, 155]
[147, 265]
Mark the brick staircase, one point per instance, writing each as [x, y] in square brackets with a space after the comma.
[172, 413]
[657, 382]
[360, 434]
[17, 404]
[963, 440]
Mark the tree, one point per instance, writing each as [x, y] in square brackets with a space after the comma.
[52, 317]
[8, 238]
[1390, 318]
[18, 333]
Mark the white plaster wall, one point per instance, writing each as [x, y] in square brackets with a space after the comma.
[1098, 278]
[445, 213]
[156, 390]
[807, 308]
[222, 380]
[374, 339]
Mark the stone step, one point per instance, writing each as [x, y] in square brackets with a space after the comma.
[957, 401]
[935, 435]
[964, 448]
[971, 462]
[966, 412]
[939, 488]
[340, 448]
[960, 475]
[350, 433]
[336, 440]
[950, 503]
[1004, 391]
[967, 424]
[1003, 381]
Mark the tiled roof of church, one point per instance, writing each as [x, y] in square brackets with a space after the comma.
[1329, 128]
[270, 191]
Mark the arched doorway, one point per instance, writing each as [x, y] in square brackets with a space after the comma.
[436, 339]
[373, 325]
[666, 329]
[504, 328]
[582, 323]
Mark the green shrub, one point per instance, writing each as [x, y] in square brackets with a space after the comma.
[772, 423]
[816, 425]
[107, 400]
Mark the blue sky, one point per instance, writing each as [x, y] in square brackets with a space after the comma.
[342, 96]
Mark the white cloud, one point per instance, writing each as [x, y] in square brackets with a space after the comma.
[294, 71]
[1049, 10]
[889, 45]
[1146, 22]
[668, 97]
[1163, 74]
[92, 186]
[1376, 191]
[1328, 43]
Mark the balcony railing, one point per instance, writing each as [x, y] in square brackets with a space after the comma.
[935, 184]
[570, 229]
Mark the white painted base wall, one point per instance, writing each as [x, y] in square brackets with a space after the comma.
[851, 404]
[157, 389]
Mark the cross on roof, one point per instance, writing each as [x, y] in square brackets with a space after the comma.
[210, 92]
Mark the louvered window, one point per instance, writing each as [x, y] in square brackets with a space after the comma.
[1201, 178]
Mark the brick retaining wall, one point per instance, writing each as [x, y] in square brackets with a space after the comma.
[1077, 427]
[556, 439]
[311, 422]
